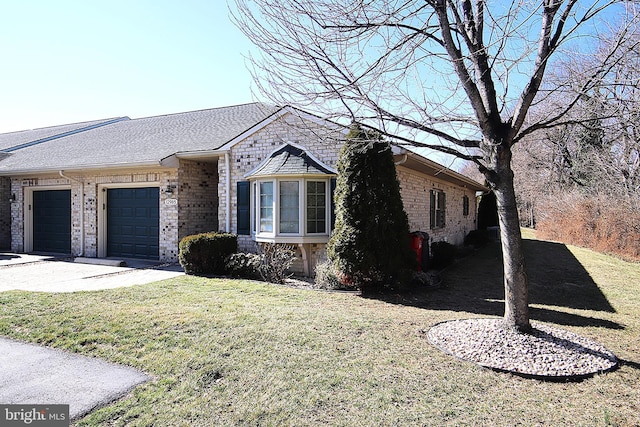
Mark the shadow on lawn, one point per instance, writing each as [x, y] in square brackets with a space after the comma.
[556, 278]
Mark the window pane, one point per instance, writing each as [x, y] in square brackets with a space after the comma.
[316, 206]
[266, 207]
[289, 207]
[437, 209]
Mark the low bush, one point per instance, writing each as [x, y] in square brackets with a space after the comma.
[602, 223]
[244, 266]
[477, 238]
[442, 254]
[425, 280]
[276, 260]
[327, 278]
[206, 253]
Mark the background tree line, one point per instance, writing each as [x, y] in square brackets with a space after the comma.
[579, 181]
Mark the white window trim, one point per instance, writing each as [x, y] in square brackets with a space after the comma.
[438, 209]
[301, 207]
[302, 236]
[258, 206]
[327, 207]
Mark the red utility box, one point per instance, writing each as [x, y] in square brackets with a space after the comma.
[416, 242]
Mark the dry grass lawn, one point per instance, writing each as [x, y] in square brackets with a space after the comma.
[229, 352]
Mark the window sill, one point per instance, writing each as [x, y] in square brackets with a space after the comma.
[292, 239]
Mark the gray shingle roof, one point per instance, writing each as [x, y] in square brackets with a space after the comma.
[290, 160]
[11, 140]
[138, 141]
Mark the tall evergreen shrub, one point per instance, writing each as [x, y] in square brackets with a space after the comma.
[369, 247]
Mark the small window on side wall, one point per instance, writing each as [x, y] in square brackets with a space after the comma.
[465, 205]
[437, 209]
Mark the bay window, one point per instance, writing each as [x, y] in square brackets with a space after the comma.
[291, 208]
[265, 218]
[316, 207]
[287, 198]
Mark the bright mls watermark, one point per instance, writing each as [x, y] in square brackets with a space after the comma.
[34, 415]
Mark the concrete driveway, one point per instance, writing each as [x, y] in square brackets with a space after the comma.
[45, 273]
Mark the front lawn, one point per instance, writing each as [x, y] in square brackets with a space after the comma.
[228, 352]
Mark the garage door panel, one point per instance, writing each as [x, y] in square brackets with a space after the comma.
[52, 221]
[126, 212]
[133, 222]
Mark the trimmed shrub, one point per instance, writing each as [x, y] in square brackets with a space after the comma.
[244, 266]
[206, 253]
[443, 254]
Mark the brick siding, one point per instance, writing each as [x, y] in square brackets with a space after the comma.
[198, 197]
[415, 190]
[5, 213]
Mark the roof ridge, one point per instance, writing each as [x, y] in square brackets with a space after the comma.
[63, 124]
[63, 134]
[204, 109]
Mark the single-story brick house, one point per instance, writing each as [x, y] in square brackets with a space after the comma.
[132, 188]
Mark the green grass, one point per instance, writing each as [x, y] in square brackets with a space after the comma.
[226, 352]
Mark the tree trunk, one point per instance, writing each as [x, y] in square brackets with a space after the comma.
[516, 295]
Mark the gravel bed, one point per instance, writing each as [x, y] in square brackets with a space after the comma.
[546, 352]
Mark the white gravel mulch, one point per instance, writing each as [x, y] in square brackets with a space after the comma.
[546, 352]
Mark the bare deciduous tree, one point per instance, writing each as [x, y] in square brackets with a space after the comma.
[458, 76]
[596, 148]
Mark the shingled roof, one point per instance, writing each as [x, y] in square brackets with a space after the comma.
[12, 141]
[130, 142]
[290, 160]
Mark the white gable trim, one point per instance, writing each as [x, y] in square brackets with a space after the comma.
[277, 115]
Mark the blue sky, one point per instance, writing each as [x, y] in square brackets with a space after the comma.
[69, 61]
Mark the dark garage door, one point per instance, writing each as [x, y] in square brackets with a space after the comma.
[52, 221]
[133, 222]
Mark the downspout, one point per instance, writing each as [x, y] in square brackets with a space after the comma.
[227, 180]
[401, 161]
[82, 237]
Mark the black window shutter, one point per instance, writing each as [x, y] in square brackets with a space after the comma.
[244, 207]
[432, 209]
[333, 203]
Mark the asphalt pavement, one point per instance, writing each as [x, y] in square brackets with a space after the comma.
[32, 374]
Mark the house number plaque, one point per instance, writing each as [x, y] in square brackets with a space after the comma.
[171, 202]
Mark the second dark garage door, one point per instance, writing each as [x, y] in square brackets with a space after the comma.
[133, 216]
